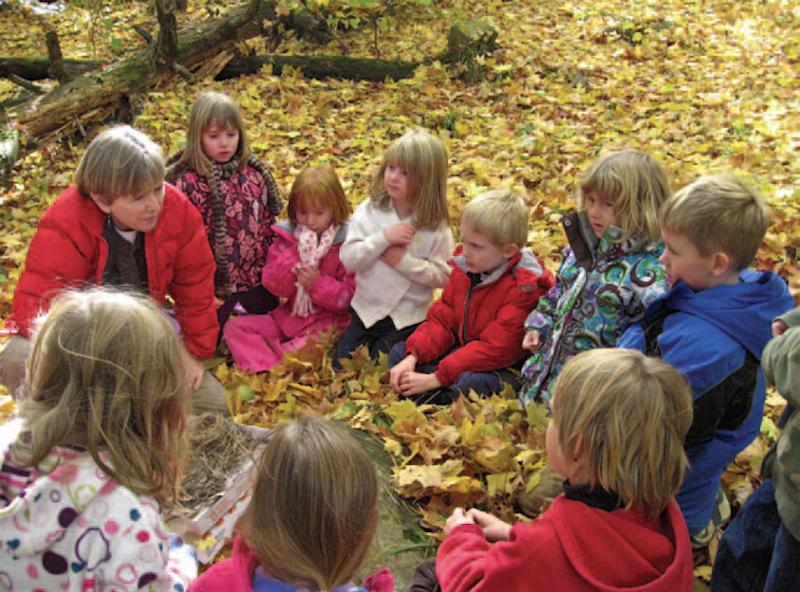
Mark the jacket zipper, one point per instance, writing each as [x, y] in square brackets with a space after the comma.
[466, 315]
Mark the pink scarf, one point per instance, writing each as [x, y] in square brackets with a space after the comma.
[310, 253]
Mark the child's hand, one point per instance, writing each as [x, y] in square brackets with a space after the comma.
[306, 275]
[414, 383]
[397, 371]
[399, 234]
[457, 518]
[218, 302]
[194, 372]
[778, 327]
[494, 529]
[531, 340]
[392, 255]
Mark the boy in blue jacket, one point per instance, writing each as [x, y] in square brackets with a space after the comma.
[712, 326]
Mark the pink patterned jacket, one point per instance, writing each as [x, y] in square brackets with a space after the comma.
[249, 221]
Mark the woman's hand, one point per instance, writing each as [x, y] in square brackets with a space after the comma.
[392, 255]
[415, 383]
[457, 518]
[399, 370]
[194, 372]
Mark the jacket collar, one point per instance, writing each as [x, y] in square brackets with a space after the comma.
[588, 248]
[523, 261]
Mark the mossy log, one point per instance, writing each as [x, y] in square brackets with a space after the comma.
[96, 95]
[38, 68]
[107, 94]
[331, 66]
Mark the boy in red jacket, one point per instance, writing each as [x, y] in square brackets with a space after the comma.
[617, 525]
[471, 337]
[121, 225]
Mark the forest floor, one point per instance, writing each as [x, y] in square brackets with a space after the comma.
[701, 86]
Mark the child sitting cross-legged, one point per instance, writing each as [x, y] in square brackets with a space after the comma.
[610, 270]
[311, 519]
[616, 435]
[471, 338]
[712, 327]
[304, 270]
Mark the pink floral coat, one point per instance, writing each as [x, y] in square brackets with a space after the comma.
[249, 221]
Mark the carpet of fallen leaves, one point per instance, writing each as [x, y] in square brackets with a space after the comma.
[702, 86]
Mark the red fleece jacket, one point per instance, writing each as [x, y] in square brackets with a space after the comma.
[572, 547]
[68, 250]
[484, 323]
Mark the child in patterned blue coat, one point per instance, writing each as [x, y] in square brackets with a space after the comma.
[610, 271]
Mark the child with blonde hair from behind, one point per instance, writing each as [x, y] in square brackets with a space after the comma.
[609, 272]
[101, 450]
[304, 270]
[312, 516]
[237, 197]
[398, 245]
[616, 436]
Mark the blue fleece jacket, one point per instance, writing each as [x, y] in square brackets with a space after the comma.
[706, 336]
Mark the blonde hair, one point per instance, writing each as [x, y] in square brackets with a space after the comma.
[319, 185]
[120, 161]
[106, 372]
[314, 505]
[424, 158]
[719, 213]
[500, 215]
[636, 184]
[211, 108]
[624, 416]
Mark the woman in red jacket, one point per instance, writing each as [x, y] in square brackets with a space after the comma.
[619, 420]
[121, 225]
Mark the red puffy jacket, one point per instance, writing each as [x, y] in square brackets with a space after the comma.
[68, 250]
[485, 323]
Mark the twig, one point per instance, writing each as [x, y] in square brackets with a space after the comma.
[27, 85]
[80, 127]
[147, 36]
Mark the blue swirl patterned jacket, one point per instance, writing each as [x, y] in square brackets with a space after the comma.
[601, 288]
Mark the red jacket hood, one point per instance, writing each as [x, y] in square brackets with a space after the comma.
[621, 550]
[572, 548]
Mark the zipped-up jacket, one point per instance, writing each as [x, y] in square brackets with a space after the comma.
[481, 323]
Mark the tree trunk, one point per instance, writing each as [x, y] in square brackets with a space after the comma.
[207, 47]
[56, 60]
[345, 67]
[37, 68]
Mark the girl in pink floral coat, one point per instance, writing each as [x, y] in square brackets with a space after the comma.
[237, 197]
[303, 269]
